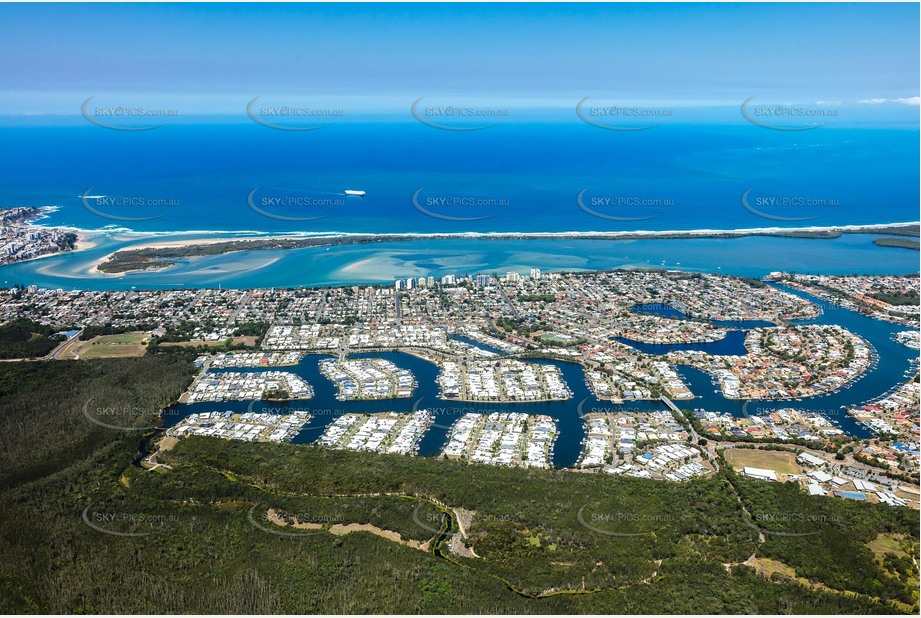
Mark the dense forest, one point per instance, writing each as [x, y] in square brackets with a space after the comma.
[23, 338]
[89, 530]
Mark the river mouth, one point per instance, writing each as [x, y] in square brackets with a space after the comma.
[383, 262]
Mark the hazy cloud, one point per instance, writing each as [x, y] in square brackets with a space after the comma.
[902, 101]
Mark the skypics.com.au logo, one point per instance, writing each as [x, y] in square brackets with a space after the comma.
[452, 116]
[119, 117]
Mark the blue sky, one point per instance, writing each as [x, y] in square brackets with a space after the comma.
[207, 58]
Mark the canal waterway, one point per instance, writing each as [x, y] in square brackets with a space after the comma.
[891, 362]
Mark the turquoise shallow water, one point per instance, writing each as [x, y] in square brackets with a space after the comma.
[753, 256]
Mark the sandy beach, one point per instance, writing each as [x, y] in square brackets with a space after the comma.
[85, 240]
[343, 238]
[200, 241]
[632, 234]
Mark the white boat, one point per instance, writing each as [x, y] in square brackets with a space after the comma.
[354, 192]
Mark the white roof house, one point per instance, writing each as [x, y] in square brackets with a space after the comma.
[815, 490]
[759, 473]
[810, 460]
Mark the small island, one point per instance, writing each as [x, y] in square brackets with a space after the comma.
[164, 255]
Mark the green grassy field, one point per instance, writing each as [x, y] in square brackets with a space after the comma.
[124, 345]
[782, 462]
[244, 340]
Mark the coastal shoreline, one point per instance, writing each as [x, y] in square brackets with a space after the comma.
[190, 247]
[907, 228]
[84, 238]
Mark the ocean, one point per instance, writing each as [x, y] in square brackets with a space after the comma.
[199, 181]
[522, 177]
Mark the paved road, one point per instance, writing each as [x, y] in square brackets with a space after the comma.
[240, 308]
[508, 302]
[52, 355]
[56, 353]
